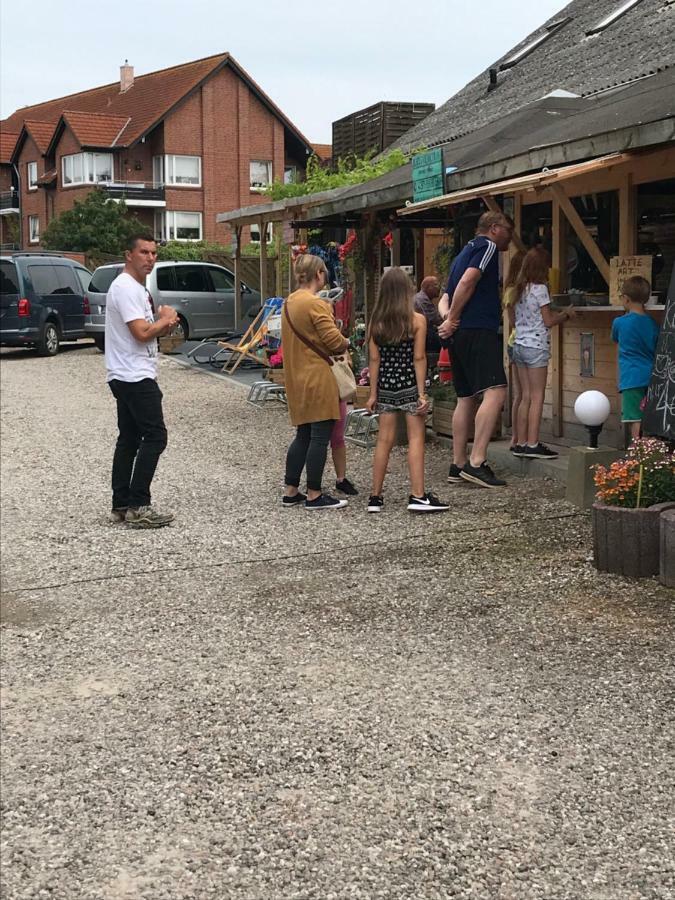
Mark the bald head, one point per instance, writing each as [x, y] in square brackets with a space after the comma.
[430, 287]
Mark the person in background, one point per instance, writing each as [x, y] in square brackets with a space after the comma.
[471, 308]
[509, 298]
[131, 334]
[637, 334]
[308, 334]
[426, 303]
[532, 349]
[398, 372]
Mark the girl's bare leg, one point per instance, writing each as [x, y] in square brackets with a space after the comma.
[385, 441]
[416, 426]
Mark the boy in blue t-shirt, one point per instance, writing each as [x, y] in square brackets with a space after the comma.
[636, 334]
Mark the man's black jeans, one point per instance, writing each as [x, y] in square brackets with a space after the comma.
[309, 450]
[142, 438]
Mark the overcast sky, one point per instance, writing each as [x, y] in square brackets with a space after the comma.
[317, 61]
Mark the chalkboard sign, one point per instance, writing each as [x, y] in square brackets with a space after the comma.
[659, 414]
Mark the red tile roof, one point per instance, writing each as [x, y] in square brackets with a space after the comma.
[47, 178]
[96, 129]
[7, 141]
[41, 132]
[145, 103]
[323, 151]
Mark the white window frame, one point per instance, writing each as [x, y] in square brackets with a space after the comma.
[32, 175]
[269, 228]
[66, 163]
[33, 229]
[166, 227]
[256, 188]
[165, 167]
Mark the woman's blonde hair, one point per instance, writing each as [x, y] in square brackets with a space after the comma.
[534, 270]
[307, 267]
[510, 295]
[392, 318]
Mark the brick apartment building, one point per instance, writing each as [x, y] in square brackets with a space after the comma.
[179, 146]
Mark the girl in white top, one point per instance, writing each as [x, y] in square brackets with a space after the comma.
[532, 349]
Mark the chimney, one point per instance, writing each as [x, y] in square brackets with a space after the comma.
[126, 76]
[493, 80]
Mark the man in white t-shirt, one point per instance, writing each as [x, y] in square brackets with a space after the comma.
[131, 334]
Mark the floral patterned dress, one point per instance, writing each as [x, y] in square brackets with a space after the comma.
[397, 383]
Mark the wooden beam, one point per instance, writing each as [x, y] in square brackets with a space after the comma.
[262, 225]
[559, 263]
[493, 206]
[237, 276]
[627, 217]
[581, 231]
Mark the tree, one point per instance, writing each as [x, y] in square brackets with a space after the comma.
[93, 224]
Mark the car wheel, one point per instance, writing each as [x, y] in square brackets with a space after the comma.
[99, 340]
[180, 329]
[48, 343]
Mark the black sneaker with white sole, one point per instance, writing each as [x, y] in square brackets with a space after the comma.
[481, 475]
[516, 449]
[427, 503]
[325, 501]
[346, 487]
[291, 502]
[375, 504]
[454, 474]
[541, 451]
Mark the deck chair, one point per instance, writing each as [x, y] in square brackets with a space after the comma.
[249, 346]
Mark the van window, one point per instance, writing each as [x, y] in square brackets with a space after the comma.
[103, 278]
[84, 277]
[191, 279]
[9, 278]
[68, 284]
[44, 279]
[222, 279]
[165, 281]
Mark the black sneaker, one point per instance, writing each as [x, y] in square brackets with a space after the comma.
[518, 450]
[346, 487]
[375, 504]
[426, 504]
[541, 451]
[291, 502]
[454, 474]
[482, 475]
[325, 501]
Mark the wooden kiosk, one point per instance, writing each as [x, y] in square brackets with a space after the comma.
[601, 220]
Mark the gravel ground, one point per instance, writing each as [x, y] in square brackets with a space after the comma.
[257, 704]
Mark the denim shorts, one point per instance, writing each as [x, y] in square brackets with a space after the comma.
[530, 357]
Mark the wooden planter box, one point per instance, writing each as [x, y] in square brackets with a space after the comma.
[441, 417]
[627, 541]
[361, 396]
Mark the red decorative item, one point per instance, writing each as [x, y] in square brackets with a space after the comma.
[348, 247]
[444, 366]
[388, 239]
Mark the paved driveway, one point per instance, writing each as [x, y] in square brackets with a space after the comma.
[258, 703]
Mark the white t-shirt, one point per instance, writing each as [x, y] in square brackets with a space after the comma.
[530, 328]
[127, 359]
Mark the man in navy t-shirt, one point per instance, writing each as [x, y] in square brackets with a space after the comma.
[471, 308]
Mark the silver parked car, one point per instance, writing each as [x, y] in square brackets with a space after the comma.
[201, 293]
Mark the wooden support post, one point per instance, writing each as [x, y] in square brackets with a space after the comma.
[279, 287]
[581, 231]
[262, 225]
[237, 276]
[493, 206]
[559, 262]
[627, 217]
[396, 247]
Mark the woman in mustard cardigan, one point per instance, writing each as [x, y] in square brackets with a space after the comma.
[311, 389]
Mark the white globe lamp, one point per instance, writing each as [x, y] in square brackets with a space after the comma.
[592, 409]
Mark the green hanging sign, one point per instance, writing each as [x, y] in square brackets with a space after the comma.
[427, 175]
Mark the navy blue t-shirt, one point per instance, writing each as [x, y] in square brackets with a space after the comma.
[484, 308]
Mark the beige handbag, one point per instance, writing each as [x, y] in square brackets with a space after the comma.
[339, 365]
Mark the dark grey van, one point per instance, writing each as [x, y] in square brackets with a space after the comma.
[42, 301]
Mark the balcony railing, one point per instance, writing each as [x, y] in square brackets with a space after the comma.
[131, 191]
[9, 200]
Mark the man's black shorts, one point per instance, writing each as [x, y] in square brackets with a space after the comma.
[476, 361]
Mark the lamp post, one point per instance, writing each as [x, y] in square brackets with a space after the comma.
[592, 409]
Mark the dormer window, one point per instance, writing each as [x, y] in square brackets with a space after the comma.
[538, 41]
[612, 17]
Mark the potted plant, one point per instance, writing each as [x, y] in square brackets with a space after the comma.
[444, 400]
[631, 495]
